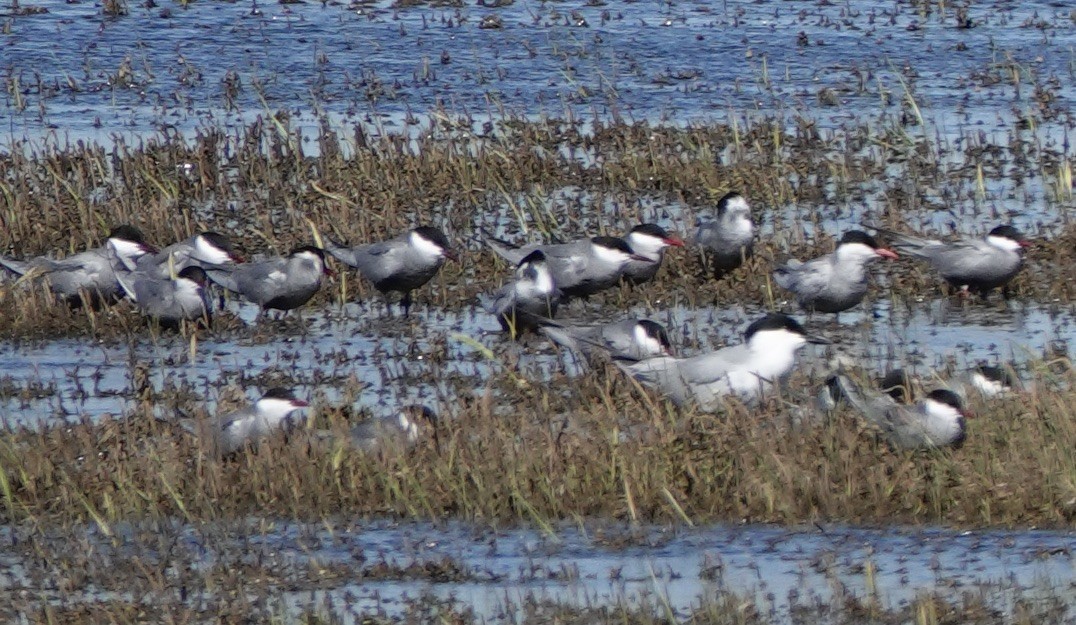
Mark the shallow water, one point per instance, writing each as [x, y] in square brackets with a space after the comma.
[429, 358]
[601, 564]
[171, 67]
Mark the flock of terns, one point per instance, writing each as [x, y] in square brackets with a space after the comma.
[171, 287]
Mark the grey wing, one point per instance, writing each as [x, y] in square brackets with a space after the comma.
[916, 246]
[785, 276]
[616, 338]
[506, 250]
[128, 281]
[876, 408]
[380, 260]
[224, 276]
[964, 258]
[19, 267]
[261, 278]
[662, 374]
[814, 276]
[154, 295]
[502, 300]
[568, 263]
[715, 236]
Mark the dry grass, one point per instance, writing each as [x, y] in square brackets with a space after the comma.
[257, 185]
[546, 454]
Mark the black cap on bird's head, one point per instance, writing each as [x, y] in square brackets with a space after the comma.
[657, 232]
[1011, 233]
[534, 258]
[858, 236]
[437, 237]
[780, 321]
[657, 331]
[195, 274]
[222, 243]
[619, 245]
[285, 394]
[949, 398]
[317, 251]
[862, 238]
[728, 200]
[127, 232]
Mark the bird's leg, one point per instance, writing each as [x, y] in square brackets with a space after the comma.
[405, 303]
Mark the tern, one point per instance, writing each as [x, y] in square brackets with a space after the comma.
[401, 264]
[403, 429]
[529, 299]
[937, 420]
[648, 241]
[976, 265]
[201, 250]
[169, 301]
[728, 240]
[280, 283]
[767, 355]
[834, 282]
[580, 268]
[628, 340]
[274, 412]
[87, 277]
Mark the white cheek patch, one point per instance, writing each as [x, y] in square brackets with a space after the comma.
[543, 278]
[647, 344]
[186, 287]
[205, 251]
[778, 342]
[1004, 243]
[738, 205]
[856, 251]
[308, 258]
[742, 225]
[276, 409]
[609, 255]
[646, 245]
[127, 249]
[425, 246]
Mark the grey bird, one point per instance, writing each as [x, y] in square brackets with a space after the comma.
[650, 242]
[87, 277]
[896, 383]
[580, 268]
[169, 301]
[401, 430]
[281, 283]
[630, 340]
[977, 265]
[530, 298]
[937, 420]
[767, 355]
[401, 264]
[727, 241]
[205, 249]
[274, 412]
[836, 281]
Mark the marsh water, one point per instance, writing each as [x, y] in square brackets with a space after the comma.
[74, 74]
[370, 568]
